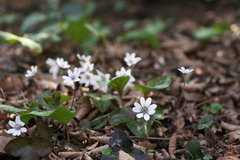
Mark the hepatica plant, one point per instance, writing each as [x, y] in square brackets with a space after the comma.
[138, 118]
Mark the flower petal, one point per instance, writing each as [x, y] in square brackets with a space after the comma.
[137, 107]
[139, 115]
[152, 107]
[18, 121]
[151, 112]
[146, 117]
[11, 123]
[142, 101]
[23, 129]
[11, 131]
[148, 101]
[16, 132]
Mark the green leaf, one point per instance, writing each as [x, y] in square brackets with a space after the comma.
[158, 114]
[207, 157]
[102, 103]
[31, 20]
[129, 24]
[156, 83]
[61, 114]
[64, 98]
[77, 31]
[194, 149]
[141, 35]
[10, 109]
[72, 10]
[205, 122]
[9, 18]
[120, 140]
[121, 115]
[26, 42]
[215, 107]
[140, 128]
[119, 83]
[43, 130]
[35, 106]
[205, 33]
[29, 148]
[150, 150]
[106, 151]
[155, 27]
[99, 123]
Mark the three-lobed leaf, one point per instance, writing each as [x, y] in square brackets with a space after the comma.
[119, 83]
[61, 114]
[194, 149]
[160, 82]
[29, 148]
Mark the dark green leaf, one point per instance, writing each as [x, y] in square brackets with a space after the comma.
[77, 30]
[61, 114]
[120, 139]
[137, 154]
[119, 83]
[43, 130]
[101, 122]
[194, 148]
[121, 115]
[29, 148]
[205, 122]
[139, 128]
[141, 35]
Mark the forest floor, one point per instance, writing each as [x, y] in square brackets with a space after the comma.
[215, 79]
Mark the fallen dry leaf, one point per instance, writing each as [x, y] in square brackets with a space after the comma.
[172, 145]
[3, 141]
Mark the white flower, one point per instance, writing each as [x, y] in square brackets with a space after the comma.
[101, 77]
[53, 67]
[87, 78]
[84, 58]
[144, 109]
[123, 72]
[185, 71]
[61, 63]
[17, 127]
[130, 59]
[31, 72]
[86, 66]
[72, 76]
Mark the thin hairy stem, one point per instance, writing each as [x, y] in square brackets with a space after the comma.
[178, 103]
[73, 100]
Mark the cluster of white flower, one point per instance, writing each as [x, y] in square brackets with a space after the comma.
[84, 75]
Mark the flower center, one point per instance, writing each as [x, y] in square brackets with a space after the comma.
[18, 126]
[73, 77]
[144, 109]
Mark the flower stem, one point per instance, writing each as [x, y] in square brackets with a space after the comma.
[67, 132]
[178, 104]
[73, 100]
